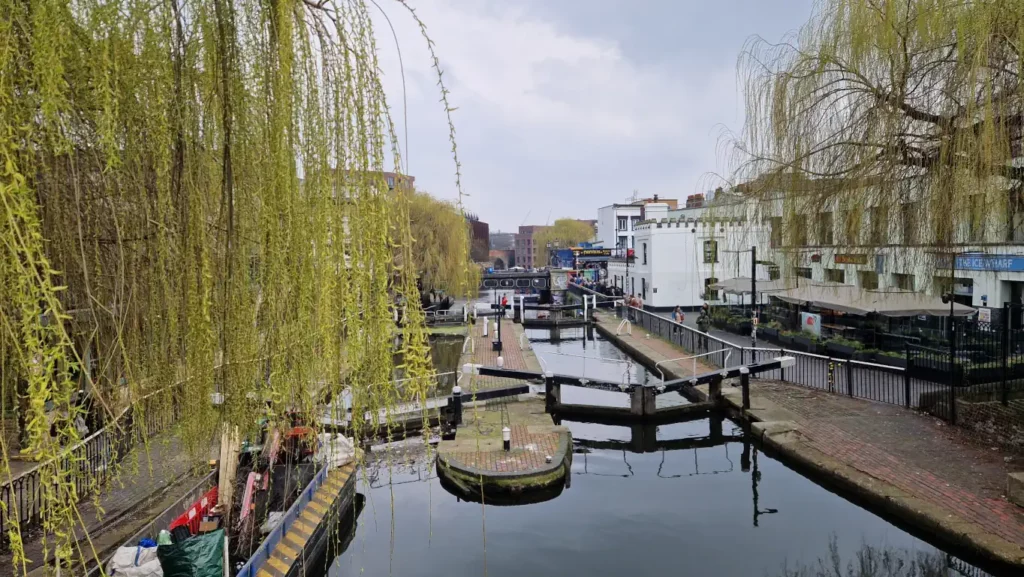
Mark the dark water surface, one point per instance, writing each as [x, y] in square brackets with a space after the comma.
[692, 511]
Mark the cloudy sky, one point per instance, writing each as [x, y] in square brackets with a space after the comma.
[564, 106]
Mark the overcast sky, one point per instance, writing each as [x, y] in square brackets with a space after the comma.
[565, 106]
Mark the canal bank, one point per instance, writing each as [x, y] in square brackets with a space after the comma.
[903, 465]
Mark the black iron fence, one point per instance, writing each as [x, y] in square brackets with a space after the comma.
[87, 464]
[859, 379]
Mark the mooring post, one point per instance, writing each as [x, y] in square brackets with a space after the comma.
[455, 401]
[745, 387]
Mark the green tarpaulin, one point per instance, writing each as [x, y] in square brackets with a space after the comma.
[199, 556]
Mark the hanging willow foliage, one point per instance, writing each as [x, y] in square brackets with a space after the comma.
[911, 109]
[193, 201]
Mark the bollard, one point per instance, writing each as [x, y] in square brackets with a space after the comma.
[486, 325]
[506, 438]
[501, 362]
[456, 404]
[745, 387]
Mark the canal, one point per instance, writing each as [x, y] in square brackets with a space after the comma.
[724, 510]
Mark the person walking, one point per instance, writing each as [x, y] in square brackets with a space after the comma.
[703, 324]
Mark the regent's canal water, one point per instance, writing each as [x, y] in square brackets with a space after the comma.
[683, 512]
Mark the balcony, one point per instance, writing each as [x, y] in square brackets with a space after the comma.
[623, 255]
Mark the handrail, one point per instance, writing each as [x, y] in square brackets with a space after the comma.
[628, 325]
[725, 363]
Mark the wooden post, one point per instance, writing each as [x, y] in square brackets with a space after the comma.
[715, 390]
[230, 446]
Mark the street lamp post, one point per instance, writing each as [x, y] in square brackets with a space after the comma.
[952, 337]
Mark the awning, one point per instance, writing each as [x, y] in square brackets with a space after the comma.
[857, 301]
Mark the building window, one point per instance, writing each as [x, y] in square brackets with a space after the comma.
[621, 223]
[868, 280]
[710, 251]
[775, 228]
[622, 242]
[799, 230]
[391, 182]
[643, 288]
[632, 221]
[851, 228]
[835, 275]
[710, 295]
[908, 221]
[774, 273]
[802, 272]
[825, 229]
[903, 281]
[645, 253]
[879, 225]
[976, 229]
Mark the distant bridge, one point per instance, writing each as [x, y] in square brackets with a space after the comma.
[511, 280]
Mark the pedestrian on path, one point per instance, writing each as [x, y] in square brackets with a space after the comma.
[703, 324]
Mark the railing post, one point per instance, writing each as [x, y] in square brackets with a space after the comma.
[906, 376]
[849, 377]
[1004, 388]
[552, 393]
[782, 370]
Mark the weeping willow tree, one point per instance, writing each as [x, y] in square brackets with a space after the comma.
[440, 243]
[889, 122]
[192, 202]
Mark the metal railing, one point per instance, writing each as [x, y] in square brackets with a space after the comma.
[88, 463]
[858, 379]
[694, 358]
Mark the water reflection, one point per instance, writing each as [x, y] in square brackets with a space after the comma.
[693, 498]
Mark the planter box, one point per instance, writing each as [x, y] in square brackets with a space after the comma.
[841, 351]
[891, 361]
[785, 340]
[805, 344]
[864, 356]
[770, 334]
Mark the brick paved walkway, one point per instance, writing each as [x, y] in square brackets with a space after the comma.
[147, 484]
[917, 454]
[514, 356]
[654, 348]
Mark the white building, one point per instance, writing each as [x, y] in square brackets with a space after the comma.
[616, 222]
[678, 253]
[615, 225]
